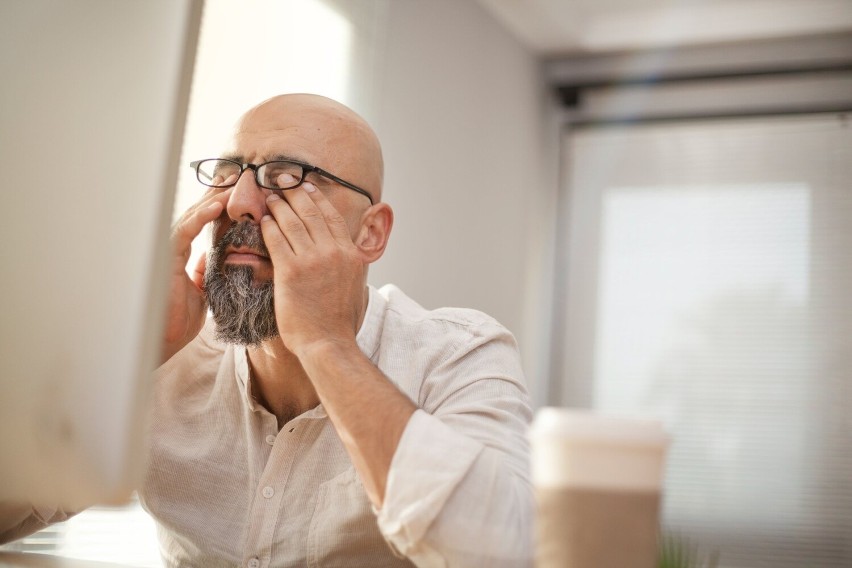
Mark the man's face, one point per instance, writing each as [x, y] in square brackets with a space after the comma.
[238, 278]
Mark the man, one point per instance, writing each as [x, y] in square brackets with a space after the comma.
[314, 419]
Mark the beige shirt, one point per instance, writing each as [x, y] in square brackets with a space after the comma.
[228, 488]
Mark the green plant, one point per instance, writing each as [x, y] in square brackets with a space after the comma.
[679, 552]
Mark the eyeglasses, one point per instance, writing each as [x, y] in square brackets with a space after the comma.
[266, 174]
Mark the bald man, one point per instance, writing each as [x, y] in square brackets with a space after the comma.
[313, 419]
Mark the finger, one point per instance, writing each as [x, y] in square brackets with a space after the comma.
[215, 193]
[286, 180]
[193, 221]
[218, 179]
[211, 197]
[289, 223]
[308, 212]
[332, 219]
[212, 194]
[276, 243]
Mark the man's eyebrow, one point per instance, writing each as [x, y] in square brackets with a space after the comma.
[286, 158]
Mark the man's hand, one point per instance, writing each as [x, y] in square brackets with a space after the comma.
[319, 273]
[319, 299]
[187, 303]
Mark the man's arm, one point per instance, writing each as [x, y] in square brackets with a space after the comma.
[458, 492]
[456, 485]
[449, 481]
[474, 503]
[320, 298]
[369, 413]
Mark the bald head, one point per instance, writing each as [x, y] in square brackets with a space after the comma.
[316, 130]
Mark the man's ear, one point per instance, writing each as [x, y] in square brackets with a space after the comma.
[376, 225]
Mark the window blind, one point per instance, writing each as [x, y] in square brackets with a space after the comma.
[708, 284]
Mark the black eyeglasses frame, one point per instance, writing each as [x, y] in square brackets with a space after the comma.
[306, 169]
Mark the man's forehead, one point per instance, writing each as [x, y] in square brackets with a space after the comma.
[312, 129]
[277, 140]
[287, 113]
[308, 136]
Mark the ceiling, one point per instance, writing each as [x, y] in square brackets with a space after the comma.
[561, 27]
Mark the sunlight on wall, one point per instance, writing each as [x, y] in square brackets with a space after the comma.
[250, 50]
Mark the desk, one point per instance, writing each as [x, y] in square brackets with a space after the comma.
[26, 560]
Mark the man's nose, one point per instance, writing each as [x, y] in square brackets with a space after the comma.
[248, 200]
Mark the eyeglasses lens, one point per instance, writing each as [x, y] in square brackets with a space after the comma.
[279, 175]
[215, 172]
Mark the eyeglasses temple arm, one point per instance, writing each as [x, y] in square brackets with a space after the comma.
[343, 182]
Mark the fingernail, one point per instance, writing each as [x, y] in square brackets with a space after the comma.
[273, 197]
[266, 218]
[309, 187]
[285, 179]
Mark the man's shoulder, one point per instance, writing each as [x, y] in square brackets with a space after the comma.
[432, 353]
[404, 310]
[441, 332]
[204, 352]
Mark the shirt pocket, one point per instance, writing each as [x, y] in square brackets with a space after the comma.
[343, 531]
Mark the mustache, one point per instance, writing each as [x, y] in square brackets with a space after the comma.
[240, 234]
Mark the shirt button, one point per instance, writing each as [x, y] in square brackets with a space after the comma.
[268, 492]
[270, 439]
[254, 563]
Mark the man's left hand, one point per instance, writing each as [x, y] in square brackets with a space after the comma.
[318, 271]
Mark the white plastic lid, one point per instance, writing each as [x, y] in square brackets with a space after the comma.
[580, 448]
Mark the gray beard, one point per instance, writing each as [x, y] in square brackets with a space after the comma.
[244, 312]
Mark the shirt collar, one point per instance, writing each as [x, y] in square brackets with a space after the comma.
[371, 328]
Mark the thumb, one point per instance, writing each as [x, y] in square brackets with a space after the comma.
[198, 272]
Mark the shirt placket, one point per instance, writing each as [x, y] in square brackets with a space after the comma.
[267, 505]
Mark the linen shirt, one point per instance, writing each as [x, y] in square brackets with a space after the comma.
[228, 488]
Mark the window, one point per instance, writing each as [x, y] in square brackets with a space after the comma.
[708, 284]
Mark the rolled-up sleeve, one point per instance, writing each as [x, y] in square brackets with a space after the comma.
[458, 491]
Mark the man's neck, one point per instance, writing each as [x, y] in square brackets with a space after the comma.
[278, 381]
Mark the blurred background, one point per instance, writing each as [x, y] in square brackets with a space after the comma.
[655, 196]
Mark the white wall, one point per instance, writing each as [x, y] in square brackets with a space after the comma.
[471, 167]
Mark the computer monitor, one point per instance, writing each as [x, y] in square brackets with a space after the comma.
[92, 111]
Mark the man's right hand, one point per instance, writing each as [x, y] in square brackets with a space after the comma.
[187, 302]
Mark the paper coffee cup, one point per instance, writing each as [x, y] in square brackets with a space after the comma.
[598, 482]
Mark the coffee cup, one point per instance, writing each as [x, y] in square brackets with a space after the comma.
[598, 483]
